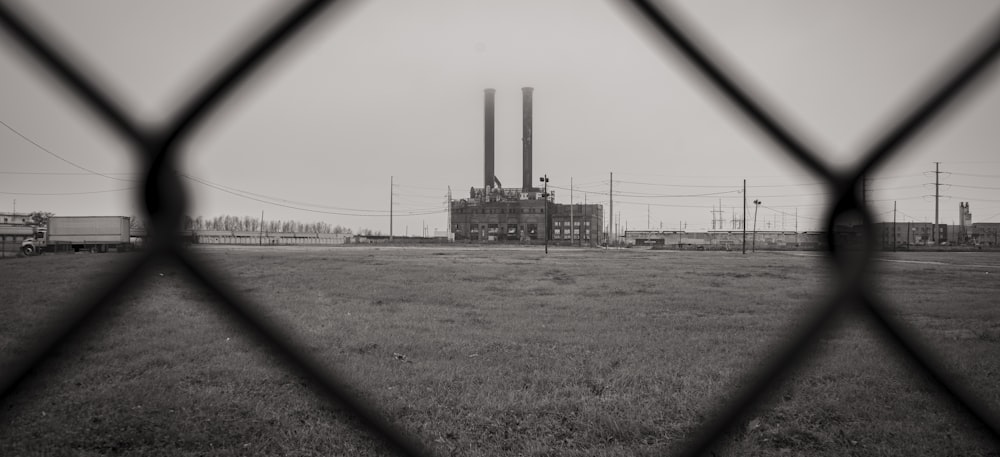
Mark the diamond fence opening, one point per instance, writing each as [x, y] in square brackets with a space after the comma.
[165, 202]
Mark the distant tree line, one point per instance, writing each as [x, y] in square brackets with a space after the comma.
[234, 223]
[253, 224]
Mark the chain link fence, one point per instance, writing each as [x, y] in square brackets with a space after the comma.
[165, 202]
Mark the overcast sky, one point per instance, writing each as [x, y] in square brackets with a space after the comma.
[395, 89]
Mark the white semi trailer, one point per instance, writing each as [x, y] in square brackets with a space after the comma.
[83, 233]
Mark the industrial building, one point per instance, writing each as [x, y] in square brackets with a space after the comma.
[923, 233]
[528, 214]
[14, 228]
[257, 238]
[726, 239]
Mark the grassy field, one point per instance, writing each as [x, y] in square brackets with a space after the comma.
[495, 352]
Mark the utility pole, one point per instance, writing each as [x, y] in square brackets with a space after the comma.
[450, 226]
[571, 226]
[392, 191]
[744, 224]
[261, 228]
[679, 229]
[721, 216]
[894, 226]
[611, 199]
[545, 209]
[618, 223]
[937, 195]
[718, 221]
[756, 204]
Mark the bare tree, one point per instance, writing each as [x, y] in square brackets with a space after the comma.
[228, 222]
[136, 222]
[41, 218]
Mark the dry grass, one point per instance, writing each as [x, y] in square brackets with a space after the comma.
[505, 352]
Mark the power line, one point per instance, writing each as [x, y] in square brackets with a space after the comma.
[659, 205]
[975, 187]
[991, 217]
[241, 192]
[418, 187]
[973, 199]
[705, 186]
[908, 216]
[645, 195]
[56, 173]
[268, 200]
[709, 194]
[43, 148]
[49, 194]
[975, 175]
[937, 175]
[791, 214]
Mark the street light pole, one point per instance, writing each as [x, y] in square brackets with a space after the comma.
[756, 203]
[545, 209]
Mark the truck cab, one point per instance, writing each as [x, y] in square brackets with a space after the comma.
[36, 244]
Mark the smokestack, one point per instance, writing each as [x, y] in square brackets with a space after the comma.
[526, 139]
[488, 172]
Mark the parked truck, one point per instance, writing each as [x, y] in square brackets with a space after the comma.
[83, 233]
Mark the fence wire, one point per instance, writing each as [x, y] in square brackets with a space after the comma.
[165, 204]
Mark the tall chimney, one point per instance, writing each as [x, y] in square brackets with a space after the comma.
[488, 172]
[526, 139]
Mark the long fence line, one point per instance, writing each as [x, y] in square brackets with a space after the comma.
[164, 199]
